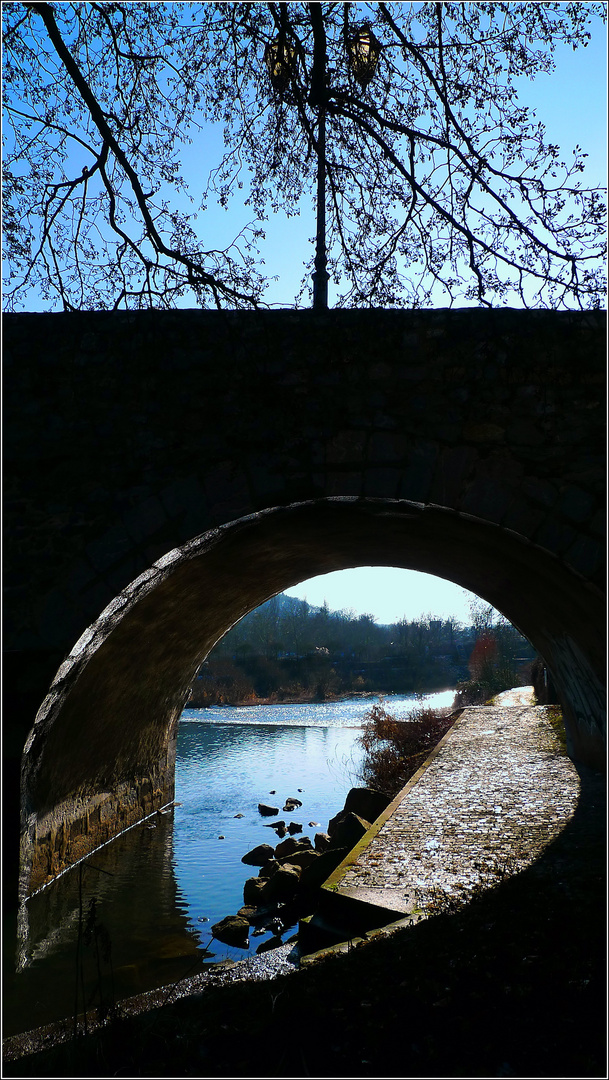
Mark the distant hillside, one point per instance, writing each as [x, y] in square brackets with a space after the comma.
[289, 650]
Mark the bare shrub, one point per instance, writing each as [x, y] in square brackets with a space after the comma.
[395, 748]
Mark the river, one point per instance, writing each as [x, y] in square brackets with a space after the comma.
[151, 895]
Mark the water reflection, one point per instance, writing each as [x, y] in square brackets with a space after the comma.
[133, 882]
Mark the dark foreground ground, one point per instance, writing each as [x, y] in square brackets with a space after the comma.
[512, 985]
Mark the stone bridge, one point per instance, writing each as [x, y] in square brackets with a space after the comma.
[166, 472]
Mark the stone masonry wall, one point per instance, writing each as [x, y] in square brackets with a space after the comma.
[126, 435]
[129, 433]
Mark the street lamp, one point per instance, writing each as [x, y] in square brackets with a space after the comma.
[363, 52]
[279, 59]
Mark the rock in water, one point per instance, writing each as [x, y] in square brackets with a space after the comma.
[291, 804]
[289, 846]
[233, 930]
[268, 811]
[252, 890]
[258, 856]
[282, 886]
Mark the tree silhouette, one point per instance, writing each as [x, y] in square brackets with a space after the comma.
[441, 186]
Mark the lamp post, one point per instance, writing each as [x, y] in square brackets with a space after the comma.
[363, 51]
[320, 275]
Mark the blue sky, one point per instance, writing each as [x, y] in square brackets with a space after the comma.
[571, 102]
[386, 592]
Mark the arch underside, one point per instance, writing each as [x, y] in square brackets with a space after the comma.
[101, 753]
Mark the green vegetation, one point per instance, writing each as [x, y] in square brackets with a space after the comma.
[287, 650]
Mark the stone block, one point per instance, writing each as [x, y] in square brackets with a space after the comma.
[283, 885]
[453, 467]
[555, 535]
[344, 483]
[586, 555]
[523, 517]
[540, 491]
[259, 855]
[418, 475]
[523, 432]
[486, 499]
[384, 446]
[180, 496]
[319, 871]
[576, 504]
[348, 446]
[483, 433]
[346, 831]
[109, 548]
[143, 520]
[382, 483]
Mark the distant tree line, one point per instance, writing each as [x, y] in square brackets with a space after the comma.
[289, 650]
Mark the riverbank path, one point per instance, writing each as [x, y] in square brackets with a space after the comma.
[492, 796]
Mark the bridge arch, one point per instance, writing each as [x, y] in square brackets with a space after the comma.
[101, 752]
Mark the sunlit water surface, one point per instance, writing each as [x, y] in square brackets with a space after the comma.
[160, 887]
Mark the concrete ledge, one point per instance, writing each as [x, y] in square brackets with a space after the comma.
[344, 913]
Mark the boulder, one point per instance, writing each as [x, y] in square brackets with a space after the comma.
[301, 858]
[319, 870]
[322, 841]
[281, 886]
[366, 803]
[258, 856]
[248, 912]
[348, 831]
[290, 845]
[335, 821]
[268, 869]
[233, 930]
[291, 804]
[275, 825]
[294, 827]
[252, 890]
[268, 811]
